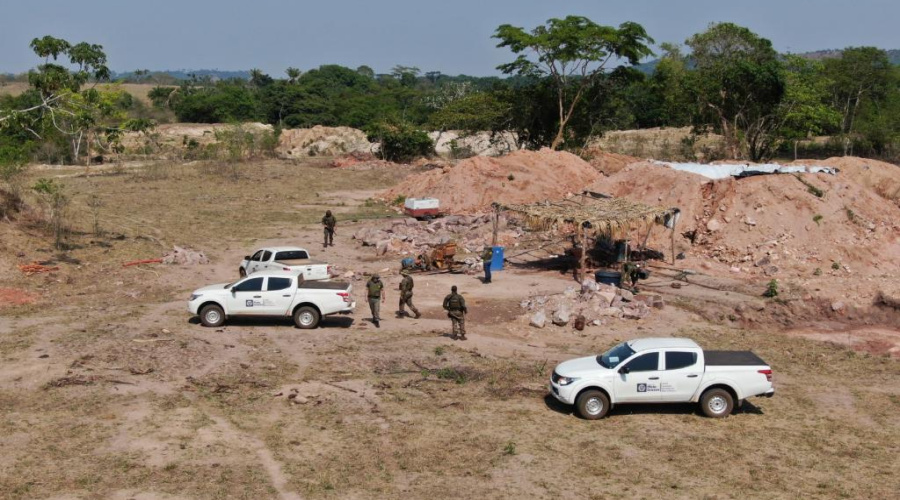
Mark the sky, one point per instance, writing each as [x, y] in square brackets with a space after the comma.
[450, 36]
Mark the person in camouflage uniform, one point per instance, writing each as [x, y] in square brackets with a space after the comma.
[487, 255]
[375, 294]
[329, 222]
[406, 294]
[630, 274]
[455, 305]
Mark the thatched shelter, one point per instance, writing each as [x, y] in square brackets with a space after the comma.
[596, 214]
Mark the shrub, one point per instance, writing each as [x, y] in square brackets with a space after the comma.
[836, 266]
[771, 289]
[817, 218]
[401, 143]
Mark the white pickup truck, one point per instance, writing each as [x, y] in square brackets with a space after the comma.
[293, 259]
[272, 293]
[661, 370]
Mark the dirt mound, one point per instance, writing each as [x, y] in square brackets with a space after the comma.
[608, 163]
[883, 177]
[322, 141]
[520, 177]
[801, 225]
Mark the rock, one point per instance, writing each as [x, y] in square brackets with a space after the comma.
[610, 312]
[561, 316]
[348, 275]
[589, 285]
[606, 297]
[382, 247]
[765, 261]
[749, 221]
[713, 225]
[299, 400]
[166, 331]
[637, 310]
[596, 322]
[570, 292]
[538, 319]
[616, 302]
[626, 295]
[770, 270]
[837, 306]
[736, 270]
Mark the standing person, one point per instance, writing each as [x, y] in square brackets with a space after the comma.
[406, 294]
[487, 255]
[329, 222]
[375, 289]
[455, 305]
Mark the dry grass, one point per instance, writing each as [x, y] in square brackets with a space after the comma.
[397, 412]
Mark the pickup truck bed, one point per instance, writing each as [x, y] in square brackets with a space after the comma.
[734, 358]
[322, 285]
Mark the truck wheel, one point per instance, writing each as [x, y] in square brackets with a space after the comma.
[242, 272]
[212, 315]
[592, 405]
[716, 403]
[306, 317]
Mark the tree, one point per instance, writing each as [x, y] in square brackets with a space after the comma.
[293, 74]
[366, 71]
[805, 110]
[860, 74]
[738, 83]
[573, 52]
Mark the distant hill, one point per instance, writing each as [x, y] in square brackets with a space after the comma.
[893, 56]
[185, 74]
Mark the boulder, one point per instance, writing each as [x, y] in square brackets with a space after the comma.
[606, 297]
[589, 285]
[610, 312]
[837, 306]
[713, 225]
[561, 316]
[626, 295]
[637, 310]
[538, 319]
[382, 247]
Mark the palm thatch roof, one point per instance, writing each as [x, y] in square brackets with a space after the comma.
[604, 214]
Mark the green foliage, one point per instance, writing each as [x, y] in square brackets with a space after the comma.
[55, 200]
[810, 187]
[771, 289]
[439, 351]
[817, 272]
[510, 448]
[399, 200]
[401, 142]
[451, 374]
[818, 219]
[739, 84]
[573, 53]
[836, 266]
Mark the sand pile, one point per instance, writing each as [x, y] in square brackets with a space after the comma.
[322, 141]
[608, 163]
[771, 224]
[520, 177]
[883, 177]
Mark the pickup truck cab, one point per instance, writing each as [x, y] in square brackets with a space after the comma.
[661, 370]
[292, 259]
[274, 294]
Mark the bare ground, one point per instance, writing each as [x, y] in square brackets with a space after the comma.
[109, 390]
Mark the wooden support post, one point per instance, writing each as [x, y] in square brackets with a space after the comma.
[644, 244]
[674, 221]
[496, 208]
[582, 264]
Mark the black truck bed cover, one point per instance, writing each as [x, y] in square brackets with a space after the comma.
[739, 358]
[323, 285]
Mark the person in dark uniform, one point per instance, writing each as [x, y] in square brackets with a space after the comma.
[487, 255]
[375, 293]
[455, 305]
[406, 294]
[329, 222]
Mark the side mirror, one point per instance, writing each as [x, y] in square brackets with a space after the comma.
[246, 257]
[232, 291]
[624, 370]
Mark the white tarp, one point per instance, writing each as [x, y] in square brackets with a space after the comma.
[745, 170]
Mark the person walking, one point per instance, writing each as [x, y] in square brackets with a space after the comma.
[487, 255]
[375, 292]
[406, 294]
[328, 223]
[455, 305]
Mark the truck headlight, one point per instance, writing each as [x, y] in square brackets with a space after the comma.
[565, 380]
[194, 296]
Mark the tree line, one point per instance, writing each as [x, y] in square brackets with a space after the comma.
[569, 81]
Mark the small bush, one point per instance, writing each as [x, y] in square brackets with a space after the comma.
[399, 200]
[817, 219]
[401, 143]
[511, 177]
[771, 289]
[510, 448]
[439, 351]
[836, 266]
[817, 272]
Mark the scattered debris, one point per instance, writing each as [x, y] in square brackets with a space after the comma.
[184, 256]
[139, 262]
[36, 268]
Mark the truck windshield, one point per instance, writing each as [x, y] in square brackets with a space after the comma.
[291, 255]
[614, 356]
